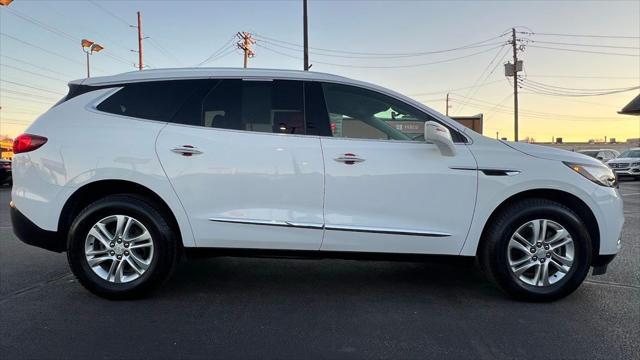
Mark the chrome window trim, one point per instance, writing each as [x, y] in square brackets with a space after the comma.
[436, 116]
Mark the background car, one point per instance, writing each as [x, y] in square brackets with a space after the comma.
[5, 172]
[603, 155]
[627, 163]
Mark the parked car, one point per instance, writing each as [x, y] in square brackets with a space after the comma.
[5, 172]
[627, 163]
[603, 155]
[130, 171]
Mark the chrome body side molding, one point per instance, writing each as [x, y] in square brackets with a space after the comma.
[354, 228]
[380, 230]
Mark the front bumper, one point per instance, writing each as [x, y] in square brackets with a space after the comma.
[600, 264]
[31, 234]
[635, 171]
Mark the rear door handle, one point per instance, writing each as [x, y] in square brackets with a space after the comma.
[349, 159]
[186, 150]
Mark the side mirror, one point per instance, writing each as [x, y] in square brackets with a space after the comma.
[439, 135]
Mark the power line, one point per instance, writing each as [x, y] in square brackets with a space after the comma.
[218, 51]
[549, 90]
[108, 12]
[473, 89]
[583, 76]
[578, 89]
[27, 100]
[33, 73]
[456, 89]
[582, 51]
[42, 49]
[37, 66]
[57, 31]
[15, 92]
[581, 35]
[31, 87]
[262, 38]
[163, 50]
[339, 55]
[586, 45]
[383, 67]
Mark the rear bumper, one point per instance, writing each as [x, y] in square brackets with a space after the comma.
[31, 234]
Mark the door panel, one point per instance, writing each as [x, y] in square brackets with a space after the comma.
[399, 196]
[247, 189]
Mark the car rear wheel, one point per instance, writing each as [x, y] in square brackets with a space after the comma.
[536, 250]
[121, 247]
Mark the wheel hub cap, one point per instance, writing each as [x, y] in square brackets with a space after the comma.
[541, 252]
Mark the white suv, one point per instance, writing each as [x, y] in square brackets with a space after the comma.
[129, 172]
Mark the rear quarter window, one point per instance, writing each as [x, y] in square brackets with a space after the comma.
[157, 100]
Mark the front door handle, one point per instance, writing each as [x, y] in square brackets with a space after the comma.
[349, 159]
[186, 150]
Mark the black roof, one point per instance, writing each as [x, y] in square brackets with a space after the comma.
[632, 108]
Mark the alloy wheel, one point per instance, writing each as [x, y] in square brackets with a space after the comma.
[119, 248]
[541, 252]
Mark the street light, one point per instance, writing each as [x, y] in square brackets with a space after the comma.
[89, 47]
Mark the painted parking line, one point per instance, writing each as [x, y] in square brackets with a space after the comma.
[629, 194]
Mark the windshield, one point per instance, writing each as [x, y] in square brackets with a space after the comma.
[630, 154]
[591, 153]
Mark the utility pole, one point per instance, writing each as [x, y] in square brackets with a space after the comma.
[447, 109]
[305, 25]
[245, 45]
[140, 64]
[515, 84]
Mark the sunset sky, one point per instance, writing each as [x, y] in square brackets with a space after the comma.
[40, 52]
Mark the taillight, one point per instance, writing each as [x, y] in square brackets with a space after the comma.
[27, 142]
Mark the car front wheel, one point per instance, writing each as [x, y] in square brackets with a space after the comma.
[537, 250]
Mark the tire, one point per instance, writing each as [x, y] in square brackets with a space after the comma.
[497, 251]
[154, 263]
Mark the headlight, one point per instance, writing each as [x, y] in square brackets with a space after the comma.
[599, 174]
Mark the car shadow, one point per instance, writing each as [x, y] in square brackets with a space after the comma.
[327, 279]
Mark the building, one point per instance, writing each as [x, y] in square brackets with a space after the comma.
[473, 122]
[632, 108]
[6, 145]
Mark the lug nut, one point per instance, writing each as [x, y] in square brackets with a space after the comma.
[126, 244]
[119, 257]
[535, 258]
[546, 247]
[112, 244]
[119, 240]
[126, 253]
[542, 260]
[539, 244]
[112, 253]
[548, 255]
[533, 249]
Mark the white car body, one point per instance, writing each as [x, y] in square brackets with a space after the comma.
[277, 191]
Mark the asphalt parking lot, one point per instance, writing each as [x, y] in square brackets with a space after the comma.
[276, 308]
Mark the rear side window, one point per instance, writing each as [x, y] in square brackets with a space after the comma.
[157, 100]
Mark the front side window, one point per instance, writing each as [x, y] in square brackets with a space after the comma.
[363, 114]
